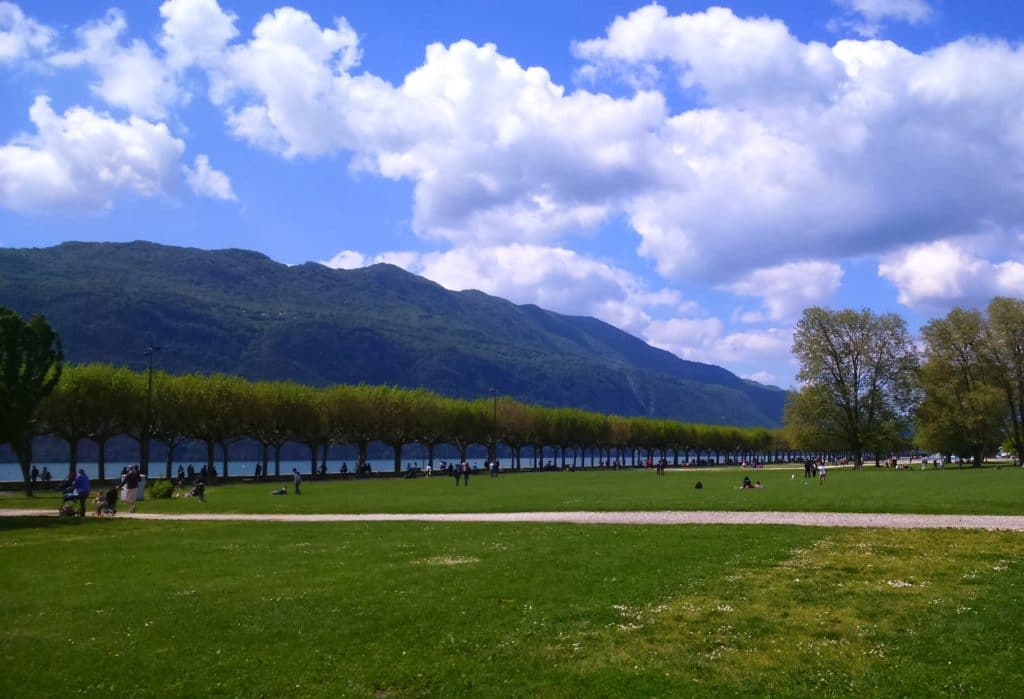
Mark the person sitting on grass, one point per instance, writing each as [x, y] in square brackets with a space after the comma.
[746, 483]
[279, 491]
[198, 490]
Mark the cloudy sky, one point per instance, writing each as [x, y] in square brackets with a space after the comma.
[693, 174]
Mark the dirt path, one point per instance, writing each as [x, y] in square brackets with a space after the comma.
[803, 519]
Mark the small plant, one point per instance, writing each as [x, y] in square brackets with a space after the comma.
[162, 488]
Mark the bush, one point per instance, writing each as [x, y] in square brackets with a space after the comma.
[162, 488]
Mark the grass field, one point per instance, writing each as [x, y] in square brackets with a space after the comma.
[143, 608]
[131, 608]
[952, 491]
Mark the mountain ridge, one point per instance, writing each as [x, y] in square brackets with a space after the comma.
[238, 311]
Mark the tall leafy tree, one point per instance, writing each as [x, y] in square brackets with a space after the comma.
[396, 411]
[267, 414]
[963, 409]
[31, 361]
[1003, 348]
[309, 423]
[860, 374]
[111, 403]
[65, 412]
[168, 418]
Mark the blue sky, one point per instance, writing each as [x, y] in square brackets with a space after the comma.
[693, 174]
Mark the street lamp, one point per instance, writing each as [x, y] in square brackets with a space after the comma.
[148, 354]
[494, 422]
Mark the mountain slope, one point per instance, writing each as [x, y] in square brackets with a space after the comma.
[240, 312]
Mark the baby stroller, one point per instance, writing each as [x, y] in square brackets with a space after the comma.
[68, 501]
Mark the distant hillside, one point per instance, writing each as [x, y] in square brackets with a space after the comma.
[239, 312]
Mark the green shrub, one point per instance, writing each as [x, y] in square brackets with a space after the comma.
[162, 488]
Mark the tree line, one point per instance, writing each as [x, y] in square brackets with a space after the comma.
[40, 395]
[870, 386]
[98, 402]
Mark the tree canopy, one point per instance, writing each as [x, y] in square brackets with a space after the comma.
[859, 373]
[30, 367]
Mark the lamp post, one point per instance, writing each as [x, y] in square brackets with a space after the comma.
[494, 422]
[150, 351]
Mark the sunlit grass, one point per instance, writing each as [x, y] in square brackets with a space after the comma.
[966, 491]
[116, 607]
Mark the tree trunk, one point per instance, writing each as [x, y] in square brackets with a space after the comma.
[224, 454]
[363, 445]
[312, 457]
[397, 446]
[101, 445]
[430, 456]
[264, 454]
[323, 455]
[73, 455]
[209, 455]
[170, 457]
[277, 461]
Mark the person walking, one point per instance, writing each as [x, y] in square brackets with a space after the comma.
[822, 472]
[298, 480]
[130, 483]
[82, 489]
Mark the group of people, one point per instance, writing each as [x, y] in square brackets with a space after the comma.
[207, 474]
[747, 485]
[462, 471]
[815, 469]
[296, 480]
[45, 476]
[78, 487]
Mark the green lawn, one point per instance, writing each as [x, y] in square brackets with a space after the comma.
[132, 608]
[967, 491]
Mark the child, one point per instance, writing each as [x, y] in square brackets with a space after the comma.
[108, 503]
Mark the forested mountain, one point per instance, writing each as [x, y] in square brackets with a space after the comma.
[239, 312]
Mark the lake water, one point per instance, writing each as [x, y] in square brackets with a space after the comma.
[59, 470]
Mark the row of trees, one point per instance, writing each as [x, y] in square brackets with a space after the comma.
[869, 386]
[98, 402]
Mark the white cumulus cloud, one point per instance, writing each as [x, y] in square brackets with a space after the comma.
[205, 181]
[21, 36]
[131, 76]
[83, 159]
[785, 290]
[871, 14]
[554, 278]
[195, 32]
[707, 340]
[347, 259]
[942, 274]
[861, 147]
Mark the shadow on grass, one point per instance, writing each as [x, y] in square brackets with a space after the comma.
[11, 524]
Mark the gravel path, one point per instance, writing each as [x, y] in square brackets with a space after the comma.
[803, 519]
